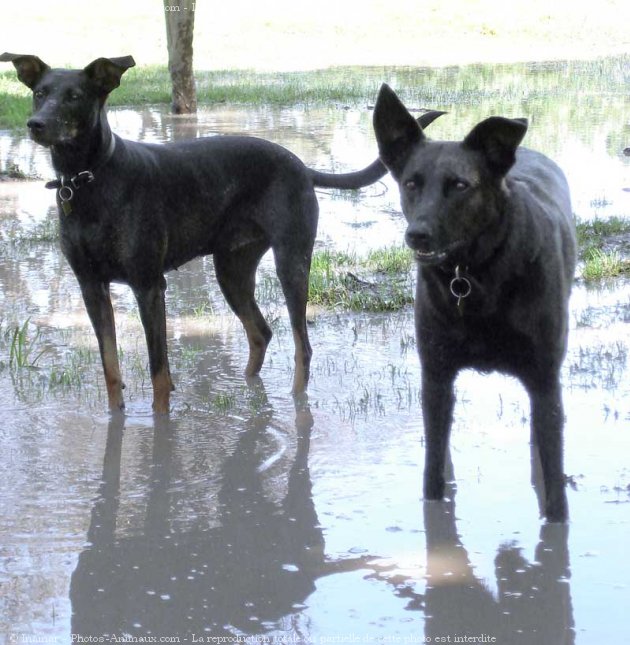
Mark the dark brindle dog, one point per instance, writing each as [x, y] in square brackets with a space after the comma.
[492, 230]
[131, 211]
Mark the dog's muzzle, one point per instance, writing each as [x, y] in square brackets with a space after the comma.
[50, 132]
[424, 249]
[38, 130]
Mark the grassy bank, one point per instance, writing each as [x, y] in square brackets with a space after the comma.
[379, 281]
[433, 87]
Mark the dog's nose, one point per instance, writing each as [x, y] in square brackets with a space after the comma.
[35, 125]
[418, 238]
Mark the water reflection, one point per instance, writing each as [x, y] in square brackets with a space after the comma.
[533, 603]
[256, 563]
[251, 559]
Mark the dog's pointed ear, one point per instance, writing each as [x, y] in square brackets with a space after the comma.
[397, 132]
[29, 68]
[105, 73]
[497, 138]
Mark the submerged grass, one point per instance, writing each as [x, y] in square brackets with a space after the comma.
[591, 234]
[35, 365]
[44, 232]
[24, 351]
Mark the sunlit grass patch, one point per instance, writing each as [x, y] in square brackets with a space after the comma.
[390, 260]
[379, 281]
[601, 264]
[70, 371]
[224, 402]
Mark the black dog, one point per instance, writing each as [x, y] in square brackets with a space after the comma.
[492, 230]
[131, 211]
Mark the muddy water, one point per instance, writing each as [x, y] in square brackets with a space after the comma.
[249, 514]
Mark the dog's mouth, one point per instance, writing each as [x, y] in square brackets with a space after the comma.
[42, 140]
[50, 140]
[53, 134]
[430, 257]
[435, 256]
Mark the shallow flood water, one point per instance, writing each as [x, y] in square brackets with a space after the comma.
[248, 514]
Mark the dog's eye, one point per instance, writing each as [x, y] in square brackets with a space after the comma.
[460, 185]
[39, 94]
[412, 185]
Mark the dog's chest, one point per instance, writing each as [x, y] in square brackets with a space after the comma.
[90, 246]
[471, 324]
[487, 347]
[482, 343]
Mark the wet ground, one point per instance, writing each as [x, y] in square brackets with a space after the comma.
[249, 514]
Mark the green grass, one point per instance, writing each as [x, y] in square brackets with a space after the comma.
[379, 281]
[25, 346]
[390, 260]
[70, 374]
[238, 398]
[601, 263]
[15, 101]
[24, 351]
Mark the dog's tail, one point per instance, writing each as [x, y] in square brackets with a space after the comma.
[350, 180]
[368, 175]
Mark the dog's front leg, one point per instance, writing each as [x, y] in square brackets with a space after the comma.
[547, 420]
[153, 316]
[99, 308]
[438, 400]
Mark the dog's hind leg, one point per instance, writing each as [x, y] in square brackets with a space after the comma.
[153, 316]
[99, 307]
[293, 269]
[438, 400]
[236, 273]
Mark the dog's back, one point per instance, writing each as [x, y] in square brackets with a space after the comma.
[543, 191]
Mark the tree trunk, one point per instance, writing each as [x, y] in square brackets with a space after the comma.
[180, 21]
